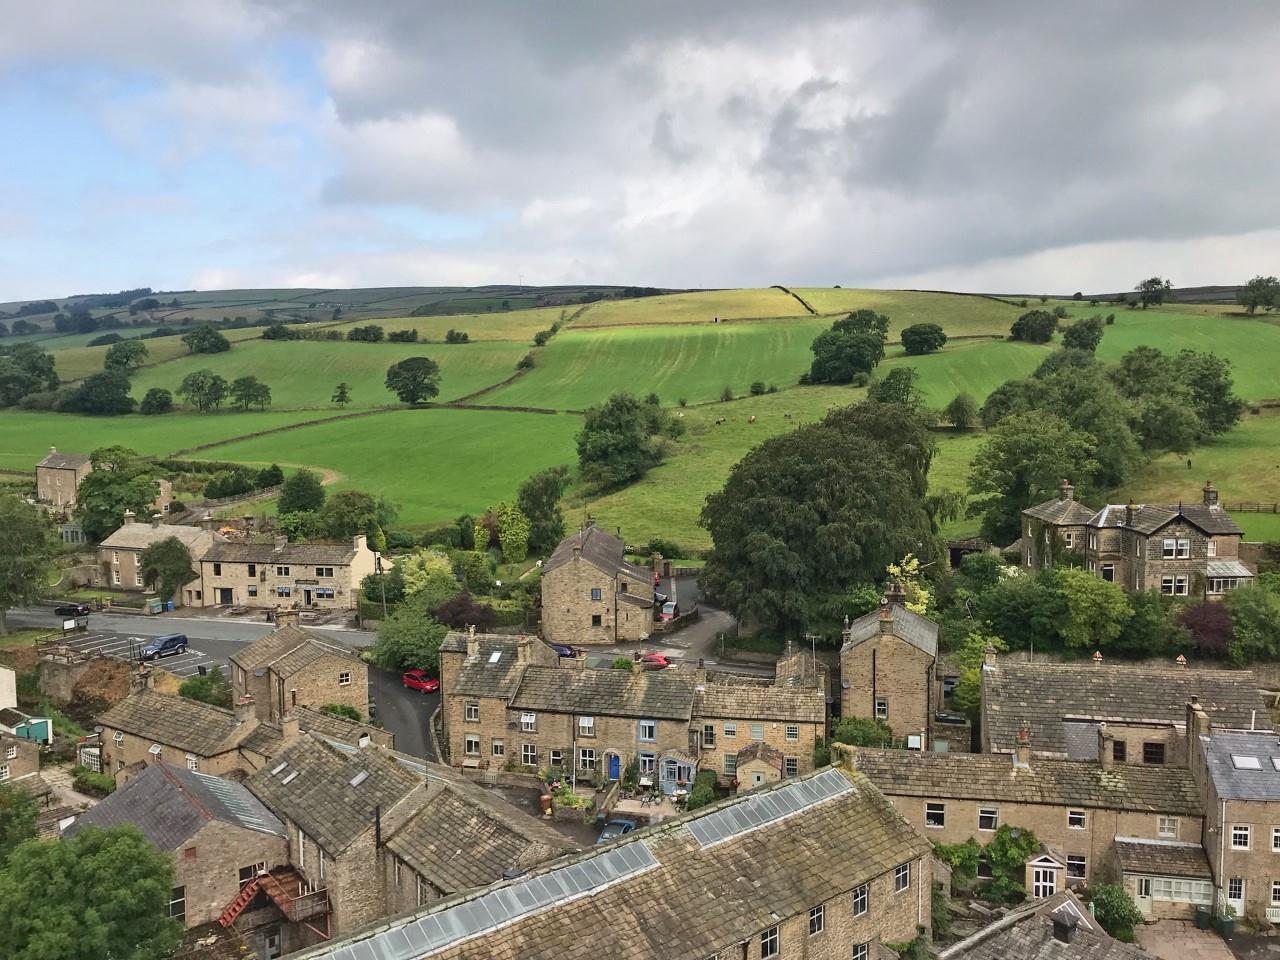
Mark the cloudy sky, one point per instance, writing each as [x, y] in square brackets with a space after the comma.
[977, 145]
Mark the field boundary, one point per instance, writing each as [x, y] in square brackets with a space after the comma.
[799, 299]
[493, 386]
[290, 426]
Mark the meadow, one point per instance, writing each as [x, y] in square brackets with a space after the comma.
[702, 306]
[957, 314]
[76, 363]
[515, 325]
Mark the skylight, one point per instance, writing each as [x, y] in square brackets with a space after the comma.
[756, 811]
[1275, 763]
[360, 778]
[1245, 763]
[278, 767]
[495, 656]
[291, 777]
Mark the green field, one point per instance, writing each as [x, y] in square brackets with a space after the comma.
[303, 373]
[976, 367]
[518, 325]
[701, 307]
[957, 314]
[436, 464]
[76, 363]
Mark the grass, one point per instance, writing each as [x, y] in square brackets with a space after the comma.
[517, 325]
[975, 367]
[957, 314]
[700, 307]
[76, 363]
[436, 464]
[303, 373]
[20, 638]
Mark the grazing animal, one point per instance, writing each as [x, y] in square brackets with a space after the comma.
[719, 420]
[751, 419]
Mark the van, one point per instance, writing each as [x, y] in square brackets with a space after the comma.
[173, 643]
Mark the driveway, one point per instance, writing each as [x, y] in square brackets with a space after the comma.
[1182, 940]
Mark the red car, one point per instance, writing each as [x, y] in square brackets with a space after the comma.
[420, 680]
[655, 661]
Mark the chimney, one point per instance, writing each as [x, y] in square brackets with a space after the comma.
[286, 617]
[206, 522]
[637, 665]
[281, 541]
[1066, 491]
[141, 680]
[53, 449]
[700, 673]
[1128, 514]
[1197, 724]
[244, 709]
[155, 521]
[1181, 661]
[1210, 494]
[129, 517]
[577, 547]
[1064, 926]
[989, 656]
[1097, 658]
[1022, 752]
[886, 616]
[894, 593]
[289, 728]
[1106, 750]
[359, 542]
[473, 644]
[524, 650]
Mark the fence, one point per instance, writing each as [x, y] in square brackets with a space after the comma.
[1252, 507]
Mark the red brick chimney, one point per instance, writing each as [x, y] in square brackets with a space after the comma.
[1022, 752]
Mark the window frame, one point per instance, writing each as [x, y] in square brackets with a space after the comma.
[1149, 749]
[529, 754]
[597, 593]
[731, 731]
[467, 741]
[587, 759]
[497, 748]
[818, 919]
[792, 733]
[586, 726]
[1167, 828]
[902, 877]
[861, 900]
[178, 896]
[935, 810]
[730, 764]
[344, 678]
[1077, 820]
[882, 708]
[770, 943]
[1080, 863]
[1241, 831]
[757, 732]
[652, 736]
[471, 711]
[861, 951]
[790, 766]
[992, 814]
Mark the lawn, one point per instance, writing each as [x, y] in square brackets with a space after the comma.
[957, 314]
[701, 307]
[436, 464]
[518, 325]
[303, 373]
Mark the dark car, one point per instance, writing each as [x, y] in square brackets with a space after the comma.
[614, 829]
[72, 610]
[420, 680]
[562, 650]
[169, 645]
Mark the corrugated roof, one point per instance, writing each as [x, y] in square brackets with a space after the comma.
[920, 632]
[1162, 858]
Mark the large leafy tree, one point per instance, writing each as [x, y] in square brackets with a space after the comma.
[1083, 335]
[205, 339]
[1208, 379]
[428, 575]
[203, 388]
[513, 532]
[105, 393]
[1260, 292]
[28, 544]
[24, 369]
[807, 515]
[120, 481]
[302, 492]
[1096, 610]
[854, 345]
[250, 391]
[127, 355]
[165, 566]
[101, 893]
[1022, 462]
[539, 500]
[1025, 610]
[923, 338]
[898, 386]
[351, 512]
[414, 379]
[614, 445]
[409, 638]
[18, 813]
[1153, 291]
[1034, 326]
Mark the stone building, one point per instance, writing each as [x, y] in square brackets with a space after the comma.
[729, 715]
[730, 881]
[591, 594]
[279, 573]
[1057, 928]
[120, 554]
[20, 765]
[1143, 707]
[58, 478]
[758, 764]
[292, 667]
[887, 667]
[1183, 549]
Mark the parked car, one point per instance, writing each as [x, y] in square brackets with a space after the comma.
[657, 579]
[167, 646]
[563, 650]
[614, 829]
[420, 680]
[72, 610]
[655, 661]
[670, 610]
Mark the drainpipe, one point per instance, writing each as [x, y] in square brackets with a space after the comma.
[1222, 852]
[873, 683]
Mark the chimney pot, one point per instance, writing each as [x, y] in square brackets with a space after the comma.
[1097, 658]
[894, 593]
[52, 448]
[155, 520]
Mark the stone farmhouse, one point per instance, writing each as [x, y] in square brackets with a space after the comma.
[887, 665]
[58, 478]
[120, 555]
[510, 701]
[736, 879]
[1063, 705]
[591, 594]
[20, 765]
[264, 575]
[1057, 928]
[1184, 549]
[292, 667]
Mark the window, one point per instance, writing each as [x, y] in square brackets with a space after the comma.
[1109, 572]
[283, 591]
[730, 764]
[1182, 891]
[648, 762]
[253, 589]
[344, 679]
[1044, 882]
[790, 766]
[861, 951]
[708, 735]
[882, 708]
[248, 873]
[595, 593]
[11, 753]
[498, 748]
[302, 850]
[770, 943]
[1118, 751]
[817, 919]
[156, 750]
[193, 762]
[1168, 827]
[988, 818]
[178, 904]
[1235, 888]
[901, 877]
[119, 739]
[1223, 584]
[861, 899]
[1275, 891]
[253, 569]
[137, 578]
[4, 771]
[1153, 752]
[323, 593]
[1275, 839]
[1211, 548]
[471, 745]
[648, 730]
[1076, 867]
[1240, 836]
[586, 726]
[282, 571]
[115, 577]
[320, 860]
[984, 868]
[115, 556]
[472, 712]
[324, 571]
[757, 731]
[1174, 586]
[1068, 539]
[556, 758]
[935, 815]
[730, 731]
[395, 871]
[597, 620]
[792, 733]
[622, 586]
[1093, 540]
[529, 754]
[586, 758]
[528, 723]
[217, 569]
[1176, 549]
[1075, 819]
[423, 893]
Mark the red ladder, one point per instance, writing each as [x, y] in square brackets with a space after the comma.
[246, 894]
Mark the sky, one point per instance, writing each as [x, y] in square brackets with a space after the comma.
[983, 146]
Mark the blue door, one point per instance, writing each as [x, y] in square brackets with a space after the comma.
[615, 766]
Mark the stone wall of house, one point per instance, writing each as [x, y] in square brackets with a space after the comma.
[321, 682]
[776, 733]
[258, 584]
[208, 866]
[1254, 865]
[18, 757]
[134, 749]
[355, 884]
[902, 674]
[245, 682]
[747, 773]
[59, 486]
[579, 606]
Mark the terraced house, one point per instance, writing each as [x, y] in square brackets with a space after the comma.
[120, 555]
[1183, 549]
[279, 573]
[819, 866]
[887, 664]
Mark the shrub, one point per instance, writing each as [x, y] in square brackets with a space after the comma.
[369, 334]
[921, 338]
[703, 791]
[620, 663]
[726, 394]
[525, 362]
[1060, 312]
[1115, 910]
[212, 688]
[94, 784]
[403, 336]
[962, 858]
[683, 402]
[757, 388]
[345, 711]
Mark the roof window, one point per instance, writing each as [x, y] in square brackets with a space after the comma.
[1245, 763]
[360, 778]
[290, 778]
[495, 656]
[278, 767]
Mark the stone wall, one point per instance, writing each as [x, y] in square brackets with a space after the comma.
[208, 866]
[886, 667]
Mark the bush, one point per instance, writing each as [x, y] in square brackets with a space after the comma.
[921, 338]
[726, 394]
[1115, 910]
[703, 791]
[525, 362]
[1060, 312]
[757, 388]
[403, 336]
[343, 711]
[962, 858]
[369, 334]
[212, 688]
[93, 784]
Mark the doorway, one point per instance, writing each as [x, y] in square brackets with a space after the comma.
[306, 597]
[224, 596]
[615, 767]
[271, 945]
[1235, 895]
[1142, 896]
[757, 779]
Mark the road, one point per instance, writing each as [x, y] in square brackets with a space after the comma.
[404, 712]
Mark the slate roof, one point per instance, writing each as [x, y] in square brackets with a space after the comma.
[920, 632]
[1063, 512]
[759, 750]
[188, 725]
[1026, 933]
[56, 460]
[286, 650]
[754, 702]
[170, 805]
[319, 796]
[266, 738]
[655, 694]
[1234, 779]
[479, 676]
[1164, 858]
[602, 550]
[331, 554]
[988, 776]
[139, 535]
[1150, 517]
[683, 900]
[1044, 694]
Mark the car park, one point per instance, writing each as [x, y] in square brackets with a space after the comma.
[614, 829]
[166, 646]
[420, 680]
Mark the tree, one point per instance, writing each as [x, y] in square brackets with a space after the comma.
[1255, 622]
[1153, 629]
[271, 476]
[25, 369]
[1115, 910]
[120, 481]
[1096, 610]
[1024, 611]
[854, 345]
[414, 379]
[513, 532]
[898, 386]
[703, 790]
[370, 334]
[341, 394]
[28, 545]
[1210, 627]
[1034, 326]
[102, 893]
[1208, 379]
[127, 355]
[428, 575]
[205, 339]
[968, 659]
[203, 388]
[158, 400]
[351, 512]
[962, 412]
[461, 611]
[1152, 292]
[475, 569]
[165, 566]
[1260, 292]
[920, 338]
[614, 446]
[1083, 335]
[18, 814]
[105, 393]
[409, 639]
[301, 493]
[213, 688]
[863, 732]
[250, 390]
[808, 515]
[278, 331]
[539, 500]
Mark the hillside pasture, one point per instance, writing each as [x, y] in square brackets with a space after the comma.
[76, 363]
[957, 314]
[698, 307]
[514, 325]
[976, 367]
